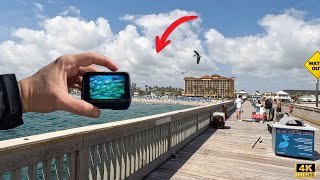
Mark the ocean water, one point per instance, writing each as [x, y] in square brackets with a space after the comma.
[38, 123]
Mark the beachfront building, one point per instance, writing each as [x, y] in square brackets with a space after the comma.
[308, 99]
[214, 86]
[299, 93]
[243, 93]
[136, 94]
[256, 96]
[133, 87]
[283, 96]
[268, 95]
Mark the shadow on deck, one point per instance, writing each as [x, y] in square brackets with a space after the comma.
[228, 154]
[168, 169]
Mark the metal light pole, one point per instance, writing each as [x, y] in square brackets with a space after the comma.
[317, 92]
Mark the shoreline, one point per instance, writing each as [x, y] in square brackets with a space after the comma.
[191, 103]
[158, 101]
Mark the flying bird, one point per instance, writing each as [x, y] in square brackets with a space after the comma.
[182, 72]
[197, 55]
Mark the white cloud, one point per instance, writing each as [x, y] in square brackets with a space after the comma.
[140, 53]
[38, 7]
[71, 11]
[133, 48]
[287, 42]
[128, 17]
[38, 10]
[281, 50]
[58, 36]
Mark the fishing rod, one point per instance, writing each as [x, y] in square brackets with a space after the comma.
[258, 140]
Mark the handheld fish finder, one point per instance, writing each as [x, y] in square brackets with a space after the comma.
[107, 90]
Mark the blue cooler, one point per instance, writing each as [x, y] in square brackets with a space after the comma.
[291, 137]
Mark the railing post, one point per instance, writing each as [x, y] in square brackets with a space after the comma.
[210, 117]
[83, 164]
[197, 129]
[170, 135]
[313, 117]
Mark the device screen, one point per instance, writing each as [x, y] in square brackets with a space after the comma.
[107, 87]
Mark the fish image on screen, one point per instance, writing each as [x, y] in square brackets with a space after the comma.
[107, 87]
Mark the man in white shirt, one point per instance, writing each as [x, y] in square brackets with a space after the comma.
[238, 103]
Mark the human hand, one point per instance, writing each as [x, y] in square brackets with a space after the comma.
[47, 90]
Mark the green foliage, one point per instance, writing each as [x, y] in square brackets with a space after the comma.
[172, 91]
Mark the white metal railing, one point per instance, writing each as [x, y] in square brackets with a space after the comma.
[311, 114]
[127, 149]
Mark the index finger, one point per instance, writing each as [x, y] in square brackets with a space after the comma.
[87, 59]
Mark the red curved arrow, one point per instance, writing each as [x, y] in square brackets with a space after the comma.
[163, 42]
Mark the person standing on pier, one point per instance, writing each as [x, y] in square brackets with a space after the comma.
[263, 109]
[278, 105]
[290, 108]
[268, 104]
[238, 103]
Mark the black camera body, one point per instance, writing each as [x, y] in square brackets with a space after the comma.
[107, 90]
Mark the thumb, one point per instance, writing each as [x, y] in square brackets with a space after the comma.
[78, 106]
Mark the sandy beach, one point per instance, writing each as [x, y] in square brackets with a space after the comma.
[191, 103]
[175, 102]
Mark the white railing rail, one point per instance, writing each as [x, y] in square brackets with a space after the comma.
[127, 149]
[311, 114]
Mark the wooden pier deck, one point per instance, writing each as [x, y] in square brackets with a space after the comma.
[228, 154]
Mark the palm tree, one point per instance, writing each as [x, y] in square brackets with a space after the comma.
[228, 92]
[194, 89]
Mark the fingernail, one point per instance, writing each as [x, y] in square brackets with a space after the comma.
[96, 113]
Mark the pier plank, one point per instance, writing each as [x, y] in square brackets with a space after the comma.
[228, 154]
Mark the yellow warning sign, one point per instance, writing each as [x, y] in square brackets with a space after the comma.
[313, 64]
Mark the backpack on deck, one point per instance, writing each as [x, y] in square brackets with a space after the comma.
[268, 104]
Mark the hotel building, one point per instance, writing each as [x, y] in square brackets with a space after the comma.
[215, 86]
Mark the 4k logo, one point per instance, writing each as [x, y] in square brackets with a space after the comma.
[306, 171]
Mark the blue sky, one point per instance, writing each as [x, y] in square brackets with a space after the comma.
[233, 19]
